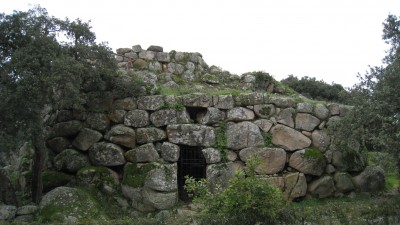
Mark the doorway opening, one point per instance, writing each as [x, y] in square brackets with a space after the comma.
[191, 163]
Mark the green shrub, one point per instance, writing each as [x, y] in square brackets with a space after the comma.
[247, 200]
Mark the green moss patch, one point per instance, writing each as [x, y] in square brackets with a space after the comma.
[313, 153]
[135, 175]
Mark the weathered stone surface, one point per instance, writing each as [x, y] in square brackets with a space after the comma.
[273, 160]
[70, 160]
[253, 98]
[264, 124]
[86, 138]
[58, 144]
[321, 140]
[288, 138]
[7, 212]
[242, 135]
[343, 182]
[211, 116]
[334, 109]
[219, 175]
[26, 210]
[240, 114]
[282, 101]
[264, 110]
[321, 111]
[191, 134]
[308, 161]
[169, 116]
[155, 48]
[333, 121]
[322, 188]
[163, 57]
[137, 118]
[121, 135]
[159, 200]
[66, 129]
[224, 102]
[143, 153]
[136, 197]
[278, 182]
[97, 121]
[304, 107]
[211, 155]
[125, 104]
[306, 122]
[106, 154]
[285, 117]
[295, 185]
[136, 48]
[231, 155]
[163, 178]
[117, 116]
[69, 202]
[372, 179]
[102, 178]
[330, 169]
[130, 56]
[155, 66]
[121, 51]
[197, 100]
[150, 134]
[170, 152]
[349, 160]
[150, 102]
[139, 64]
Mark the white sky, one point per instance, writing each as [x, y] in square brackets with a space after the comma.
[329, 40]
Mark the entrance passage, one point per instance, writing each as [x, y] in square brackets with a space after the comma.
[191, 163]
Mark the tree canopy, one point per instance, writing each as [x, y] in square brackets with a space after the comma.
[45, 63]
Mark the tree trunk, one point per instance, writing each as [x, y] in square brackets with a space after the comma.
[39, 160]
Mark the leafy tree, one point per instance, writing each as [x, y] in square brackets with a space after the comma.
[377, 98]
[312, 88]
[45, 63]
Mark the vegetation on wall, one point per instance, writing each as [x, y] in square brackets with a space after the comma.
[317, 89]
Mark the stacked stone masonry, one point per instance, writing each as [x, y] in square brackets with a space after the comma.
[134, 147]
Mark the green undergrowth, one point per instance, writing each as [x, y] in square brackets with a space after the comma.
[135, 175]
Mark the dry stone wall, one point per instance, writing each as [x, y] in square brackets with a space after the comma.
[134, 148]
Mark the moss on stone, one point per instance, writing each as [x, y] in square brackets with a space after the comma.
[53, 179]
[313, 153]
[135, 175]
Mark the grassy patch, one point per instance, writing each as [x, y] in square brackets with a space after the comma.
[313, 153]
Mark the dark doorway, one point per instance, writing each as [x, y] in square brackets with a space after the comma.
[191, 163]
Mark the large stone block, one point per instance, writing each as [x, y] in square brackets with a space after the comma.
[70, 160]
[191, 134]
[65, 129]
[159, 200]
[240, 114]
[321, 140]
[343, 182]
[224, 102]
[163, 178]
[151, 102]
[170, 152]
[150, 134]
[272, 160]
[264, 110]
[86, 138]
[137, 118]
[288, 138]
[322, 188]
[164, 117]
[307, 122]
[285, 117]
[143, 153]
[372, 179]
[97, 121]
[242, 135]
[197, 100]
[106, 154]
[121, 135]
[248, 99]
[321, 111]
[308, 161]
[295, 185]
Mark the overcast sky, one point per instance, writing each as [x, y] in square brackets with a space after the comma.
[329, 40]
